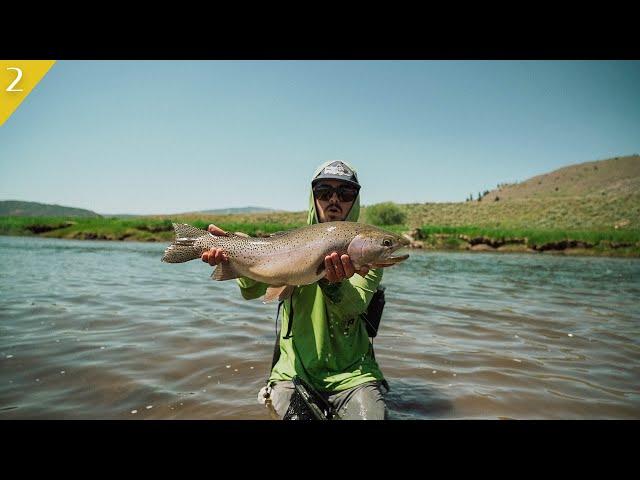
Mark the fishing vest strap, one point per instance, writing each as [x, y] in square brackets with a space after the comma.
[276, 348]
[373, 315]
[291, 316]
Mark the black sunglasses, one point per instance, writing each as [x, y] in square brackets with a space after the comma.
[345, 193]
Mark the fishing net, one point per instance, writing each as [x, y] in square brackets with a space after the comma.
[307, 404]
[298, 409]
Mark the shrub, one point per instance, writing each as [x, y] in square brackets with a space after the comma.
[387, 213]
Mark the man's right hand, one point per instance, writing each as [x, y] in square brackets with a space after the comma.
[215, 256]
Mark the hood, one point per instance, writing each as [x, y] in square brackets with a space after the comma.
[312, 217]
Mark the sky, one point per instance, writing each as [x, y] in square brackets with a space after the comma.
[153, 137]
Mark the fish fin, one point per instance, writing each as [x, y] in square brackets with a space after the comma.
[238, 234]
[187, 231]
[224, 271]
[320, 268]
[179, 254]
[280, 292]
[286, 293]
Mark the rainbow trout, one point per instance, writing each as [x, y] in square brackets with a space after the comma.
[286, 259]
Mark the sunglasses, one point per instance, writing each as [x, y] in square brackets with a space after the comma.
[325, 192]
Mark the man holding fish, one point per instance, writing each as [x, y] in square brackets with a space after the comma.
[323, 339]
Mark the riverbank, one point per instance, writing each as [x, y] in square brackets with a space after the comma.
[596, 242]
[141, 229]
[609, 243]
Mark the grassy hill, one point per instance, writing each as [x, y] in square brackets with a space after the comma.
[236, 211]
[602, 194]
[613, 177]
[15, 208]
[218, 211]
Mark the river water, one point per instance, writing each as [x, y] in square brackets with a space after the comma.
[104, 330]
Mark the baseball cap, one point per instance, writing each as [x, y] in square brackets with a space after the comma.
[337, 171]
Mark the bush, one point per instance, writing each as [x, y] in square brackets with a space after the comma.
[387, 213]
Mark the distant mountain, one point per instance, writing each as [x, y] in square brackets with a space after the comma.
[237, 210]
[15, 208]
[613, 177]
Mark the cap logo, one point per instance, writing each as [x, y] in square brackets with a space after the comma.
[338, 169]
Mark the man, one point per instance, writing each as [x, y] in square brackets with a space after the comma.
[323, 339]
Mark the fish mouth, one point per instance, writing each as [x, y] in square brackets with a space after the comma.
[389, 261]
[393, 260]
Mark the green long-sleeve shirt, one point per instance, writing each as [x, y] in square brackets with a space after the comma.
[328, 344]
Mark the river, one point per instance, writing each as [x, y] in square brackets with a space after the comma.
[105, 330]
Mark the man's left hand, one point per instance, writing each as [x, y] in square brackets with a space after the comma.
[338, 268]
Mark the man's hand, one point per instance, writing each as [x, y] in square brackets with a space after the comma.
[215, 256]
[340, 267]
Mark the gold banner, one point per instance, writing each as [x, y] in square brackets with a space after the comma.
[17, 79]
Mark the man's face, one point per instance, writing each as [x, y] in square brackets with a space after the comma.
[329, 206]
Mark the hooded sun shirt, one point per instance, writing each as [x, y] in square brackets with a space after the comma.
[328, 345]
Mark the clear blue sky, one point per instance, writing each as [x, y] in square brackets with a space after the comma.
[166, 137]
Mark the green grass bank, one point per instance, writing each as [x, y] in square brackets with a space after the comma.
[595, 241]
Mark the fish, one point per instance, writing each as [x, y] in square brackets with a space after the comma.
[288, 259]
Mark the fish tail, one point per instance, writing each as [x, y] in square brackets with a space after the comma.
[180, 253]
[182, 249]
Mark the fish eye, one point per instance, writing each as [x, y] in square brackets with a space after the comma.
[386, 242]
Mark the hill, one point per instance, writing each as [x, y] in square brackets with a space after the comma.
[15, 208]
[602, 194]
[236, 211]
[612, 177]
[219, 211]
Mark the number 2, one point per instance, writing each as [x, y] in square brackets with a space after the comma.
[18, 77]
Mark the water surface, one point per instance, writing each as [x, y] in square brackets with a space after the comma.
[104, 330]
